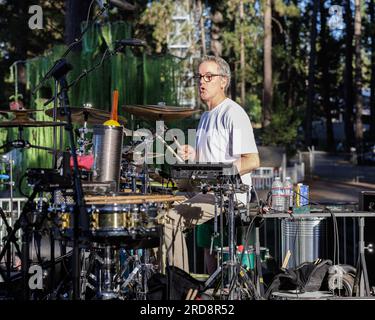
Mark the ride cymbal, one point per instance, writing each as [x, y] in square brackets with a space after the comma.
[159, 112]
[80, 115]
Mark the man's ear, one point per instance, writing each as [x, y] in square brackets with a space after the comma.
[224, 81]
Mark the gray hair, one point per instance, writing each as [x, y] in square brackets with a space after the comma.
[223, 67]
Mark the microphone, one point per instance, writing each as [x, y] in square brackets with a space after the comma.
[130, 42]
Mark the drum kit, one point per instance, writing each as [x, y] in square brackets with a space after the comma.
[125, 213]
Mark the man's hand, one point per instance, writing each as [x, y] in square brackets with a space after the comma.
[186, 152]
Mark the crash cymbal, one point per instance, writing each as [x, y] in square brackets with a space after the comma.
[29, 123]
[159, 112]
[90, 115]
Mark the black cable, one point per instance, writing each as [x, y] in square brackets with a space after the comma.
[335, 226]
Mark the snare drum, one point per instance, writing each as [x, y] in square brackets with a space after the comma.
[123, 219]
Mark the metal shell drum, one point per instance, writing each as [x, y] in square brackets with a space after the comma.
[107, 141]
[248, 258]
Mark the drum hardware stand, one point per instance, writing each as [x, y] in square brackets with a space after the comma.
[12, 239]
[21, 223]
[82, 141]
[86, 273]
[229, 190]
[139, 275]
[105, 284]
[258, 263]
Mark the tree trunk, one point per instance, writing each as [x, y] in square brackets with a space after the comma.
[294, 42]
[372, 84]
[348, 77]
[242, 53]
[267, 56]
[358, 74]
[311, 77]
[201, 24]
[325, 77]
[76, 12]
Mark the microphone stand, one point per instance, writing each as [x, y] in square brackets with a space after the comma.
[80, 216]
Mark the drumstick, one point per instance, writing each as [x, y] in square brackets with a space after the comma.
[189, 294]
[177, 143]
[114, 112]
[169, 148]
[194, 294]
[286, 259]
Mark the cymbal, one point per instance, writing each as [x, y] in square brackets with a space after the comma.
[159, 112]
[91, 115]
[29, 123]
[20, 115]
[138, 155]
[23, 111]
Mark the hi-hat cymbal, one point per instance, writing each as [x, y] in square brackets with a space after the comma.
[159, 112]
[20, 115]
[80, 115]
[29, 123]
[138, 155]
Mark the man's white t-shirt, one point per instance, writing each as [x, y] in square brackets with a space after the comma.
[223, 135]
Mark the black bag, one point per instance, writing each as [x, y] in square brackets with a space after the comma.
[179, 284]
[307, 277]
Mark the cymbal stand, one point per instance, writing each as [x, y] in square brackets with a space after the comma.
[20, 143]
[54, 116]
[146, 177]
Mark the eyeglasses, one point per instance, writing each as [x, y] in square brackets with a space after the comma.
[208, 76]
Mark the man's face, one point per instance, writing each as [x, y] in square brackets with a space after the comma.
[214, 88]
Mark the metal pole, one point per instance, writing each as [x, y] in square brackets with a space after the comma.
[362, 259]
[54, 134]
[232, 246]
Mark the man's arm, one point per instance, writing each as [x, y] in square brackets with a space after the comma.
[247, 163]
